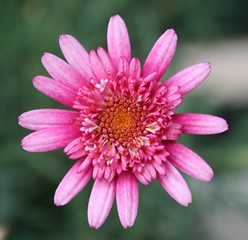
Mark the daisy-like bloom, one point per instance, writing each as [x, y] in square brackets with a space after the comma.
[122, 127]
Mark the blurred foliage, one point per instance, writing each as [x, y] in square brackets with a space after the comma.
[28, 180]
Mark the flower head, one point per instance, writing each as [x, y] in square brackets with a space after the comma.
[122, 127]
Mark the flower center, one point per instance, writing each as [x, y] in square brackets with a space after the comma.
[122, 121]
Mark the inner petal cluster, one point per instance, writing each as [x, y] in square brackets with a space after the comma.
[122, 121]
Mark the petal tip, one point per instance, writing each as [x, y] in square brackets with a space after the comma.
[225, 126]
[36, 80]
[25, 146]
[93, 225]
[172, 34]
[171, 31]
[116, 17]
[59, 200]
[222, 125]
[64, 37]
[206, 66]
[186, 204]
[58, 203]
[20, 119]
[45, 55]
[186, 200]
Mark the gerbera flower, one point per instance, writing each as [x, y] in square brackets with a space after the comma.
[122, 128]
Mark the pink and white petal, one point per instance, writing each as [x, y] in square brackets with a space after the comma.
[72, 183]
[76, 55]
[194, 123]
[73, 146]
[85, 164]
[77, 155]
[97, 66]
[62, 71]
[127, 198]
[101, 201]
[159, 58]
[135, 68]
[123, 67]
[47, 118]
[55, 90]
[106, 62]
[50, 139]
[75, 149]
[190, 77]
[189, 162]
[151, 77]
[175, 185]
[118, 40]
[141, 178]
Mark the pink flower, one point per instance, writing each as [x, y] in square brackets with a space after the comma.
[122, 127]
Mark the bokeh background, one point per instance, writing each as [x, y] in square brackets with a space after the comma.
[215, 31]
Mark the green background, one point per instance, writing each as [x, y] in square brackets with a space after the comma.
[28, 28]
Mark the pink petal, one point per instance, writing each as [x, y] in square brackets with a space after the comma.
[135, 68]
[189, 162]
[175, 185]
[193, 123]
[161, 54]
[123, 66]
[75, 149]
[118, 40]
[47, 118]
[76, 55]
[100, 202]
[97, 66]
[189, 78]
[50, 138]
[127, 198]
[106, 62]
[56, 90]
[62, 71]
[141, 178]
[85, 164]
[72, 183]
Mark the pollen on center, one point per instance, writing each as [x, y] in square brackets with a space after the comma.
[122, 121]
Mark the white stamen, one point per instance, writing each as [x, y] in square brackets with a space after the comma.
[143, 141]
[139, 98]
[102, 84]
[133, 152]
[88, 126]
[153, 128]
[109, 161]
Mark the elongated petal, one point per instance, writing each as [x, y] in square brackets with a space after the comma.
[97, 66]
[175, 185]
[74, 145]
[189, 162]
[55, 90]
[106, 62]
[189, 78]
[47, 118]
[72, 183]
[76, 55]
[135, 68]
[161, 54]
[100, 202]
[62, 71]
[127, 198]
[118, 40]
[193, 123]
[50, 139]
